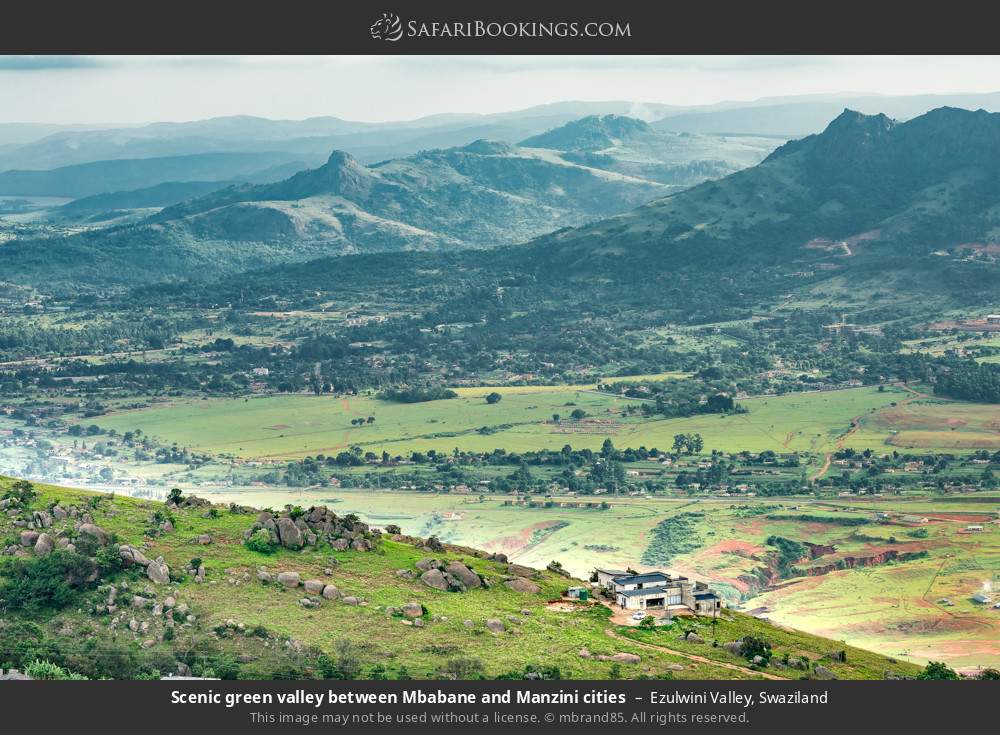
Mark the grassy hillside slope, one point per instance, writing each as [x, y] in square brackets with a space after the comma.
[232, 625]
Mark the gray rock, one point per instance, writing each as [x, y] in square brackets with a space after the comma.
[469, 579]
[435, 579]
[95, 532]
[413, 610]
[289, 534]
[350, 600]
[626, 658]
[204, 539]
[520, 584]
[263, 576]
[43, 546]
[289, 579]
[495, 625]
[823, 673]
[29, 538]
[330, 592]
[314, 586]
[158, 571]
[418, 623]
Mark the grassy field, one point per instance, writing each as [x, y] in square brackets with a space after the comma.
[288, 426]
[536, 632]
[930, 424]
[890, 607]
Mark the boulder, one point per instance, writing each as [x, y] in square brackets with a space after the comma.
[131, 555]
[29, 538]
[735, 647]
[424, 564]
[289, 534]
[43, 546]
[626, 658]
[59, 513]
[823, 673]
[264, 576]
[351, 600]
[314, 586]
[495, 625]
[468, 578]
[330, 592]
[95, 532]
[158, 571]
[169, 602]
[694, 638]
[413, 610]
[289, 579]
[520, 584]
[204, 539]
[340, 544]
[418, 623]
[435, 579]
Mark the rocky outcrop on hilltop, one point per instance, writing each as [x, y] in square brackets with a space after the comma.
[296, 529]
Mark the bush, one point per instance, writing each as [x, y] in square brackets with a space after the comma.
[261, 542]
[39, 669]
[937, 670]
[45, 582]
[22, 491]
[752, 646]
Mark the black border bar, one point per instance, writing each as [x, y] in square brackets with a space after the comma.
[655, 27]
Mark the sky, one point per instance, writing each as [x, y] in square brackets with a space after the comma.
[93, 89]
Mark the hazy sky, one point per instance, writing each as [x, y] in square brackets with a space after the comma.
[144, 89]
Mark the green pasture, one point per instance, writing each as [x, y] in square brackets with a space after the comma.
[287, 426]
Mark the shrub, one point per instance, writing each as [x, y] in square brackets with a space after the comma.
[261, 542]
[937, 670]
[39, 669]
[45, 582]
[752, 646]
[22, 491]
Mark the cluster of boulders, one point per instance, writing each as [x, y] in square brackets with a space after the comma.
[39, 534]
[452, 576]
[156, 569]
[316, 589]
[142, 613]
[316, 525]
[456, 576]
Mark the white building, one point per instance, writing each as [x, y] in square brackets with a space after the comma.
[658, 590]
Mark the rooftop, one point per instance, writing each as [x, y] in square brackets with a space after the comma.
[643, 578]
[644, 592]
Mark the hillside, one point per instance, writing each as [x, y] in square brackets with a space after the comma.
[633, 147]
[483, 194]
[89, 179]
[867, 195]
[108, 586]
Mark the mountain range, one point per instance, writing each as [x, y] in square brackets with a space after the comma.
[876, 198]
[864, 183]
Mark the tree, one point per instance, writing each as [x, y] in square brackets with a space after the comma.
[937, 671]
[493, 397]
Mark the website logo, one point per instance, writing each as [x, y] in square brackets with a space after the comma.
[387, 28]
